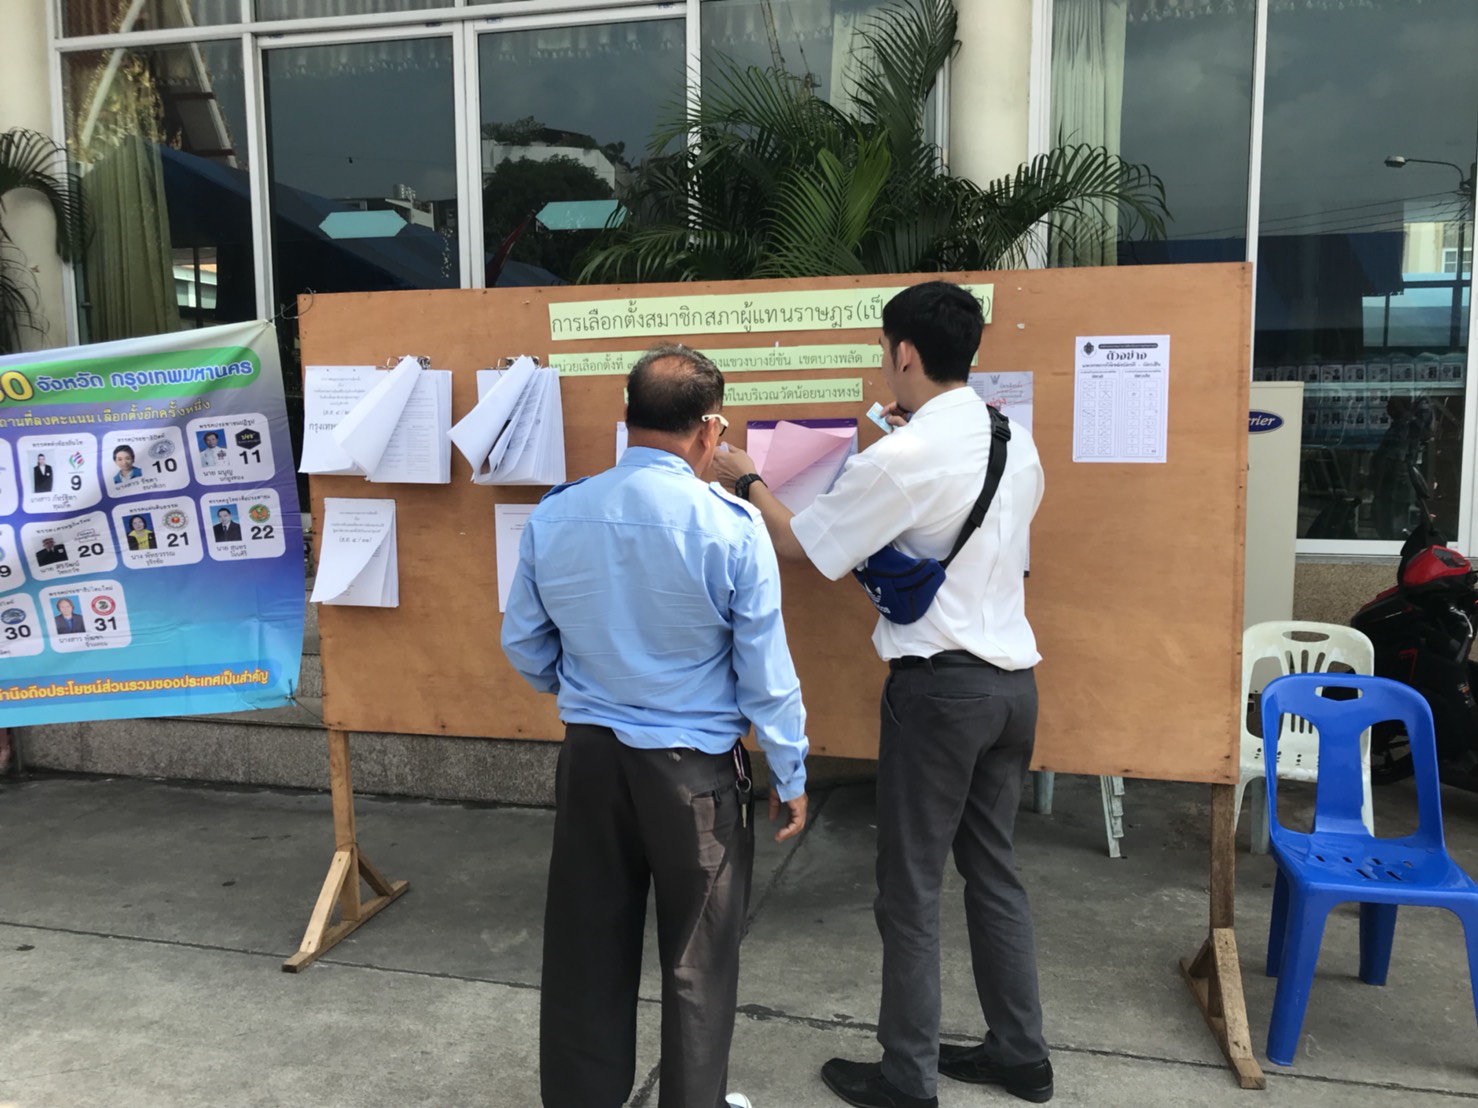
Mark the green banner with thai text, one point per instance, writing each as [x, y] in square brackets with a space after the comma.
[730, 313]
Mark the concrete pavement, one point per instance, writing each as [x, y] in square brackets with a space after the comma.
[142, 924]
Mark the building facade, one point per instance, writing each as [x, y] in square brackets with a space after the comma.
[1330, 142]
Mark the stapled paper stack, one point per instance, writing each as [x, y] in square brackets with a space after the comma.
[516, 434]
[356, 560]
[388, 426]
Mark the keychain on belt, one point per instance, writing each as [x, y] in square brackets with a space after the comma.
[742, 785]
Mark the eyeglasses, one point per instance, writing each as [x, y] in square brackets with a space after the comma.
[723, 424]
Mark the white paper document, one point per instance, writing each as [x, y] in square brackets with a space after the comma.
[509, 520]
[329, 394]
[357, 562]
[515, 435]
[799, 459]
[1121, 399]
[1011, 392]
[388, 426]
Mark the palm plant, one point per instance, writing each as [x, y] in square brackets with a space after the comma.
[761, 178]
[29, 160]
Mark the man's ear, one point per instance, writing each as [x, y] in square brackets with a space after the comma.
[905, 355]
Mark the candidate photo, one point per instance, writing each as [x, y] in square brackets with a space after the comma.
[41, 475]
[141, 533]
[123, 458]
[51, 553]
[68, 622]
[212, 453]
[226, 528]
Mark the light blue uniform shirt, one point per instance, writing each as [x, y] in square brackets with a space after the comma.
[650, 602]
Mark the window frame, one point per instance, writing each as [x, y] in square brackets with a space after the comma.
[463, 22]
[1039, 140]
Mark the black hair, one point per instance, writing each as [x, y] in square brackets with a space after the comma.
[123, 446]
[943, 322]
[671, 388]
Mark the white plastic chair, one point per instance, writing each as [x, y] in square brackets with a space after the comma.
[1298, 647]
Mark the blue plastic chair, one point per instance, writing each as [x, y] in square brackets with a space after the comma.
[1340, 861]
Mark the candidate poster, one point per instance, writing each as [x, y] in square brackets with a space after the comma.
[151, 548]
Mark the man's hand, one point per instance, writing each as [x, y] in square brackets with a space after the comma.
[730, 465]
[895, 415]
[795, 810]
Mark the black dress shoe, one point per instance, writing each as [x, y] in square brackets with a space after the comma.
[1032, 1081]
[863, 1084]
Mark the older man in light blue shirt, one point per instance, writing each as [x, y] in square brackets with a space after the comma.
[649, 603]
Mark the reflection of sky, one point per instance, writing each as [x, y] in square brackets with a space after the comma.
[1345, 88]
[1416, 317]
[616, 96]
[344, 125]
[1187, 102]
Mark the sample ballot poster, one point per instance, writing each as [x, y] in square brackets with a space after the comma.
[151, 550]
[1121, 398]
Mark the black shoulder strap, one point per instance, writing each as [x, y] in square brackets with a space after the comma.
[1000, 435]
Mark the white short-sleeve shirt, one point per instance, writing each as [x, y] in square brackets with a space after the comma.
[914, 488]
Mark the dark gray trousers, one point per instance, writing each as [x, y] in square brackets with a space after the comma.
[627, 819]
[954, 748]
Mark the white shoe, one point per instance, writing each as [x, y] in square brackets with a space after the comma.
[737, 1100]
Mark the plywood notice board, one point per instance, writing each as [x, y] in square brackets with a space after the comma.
[1136, 570]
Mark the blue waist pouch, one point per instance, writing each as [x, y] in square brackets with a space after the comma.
[900, 586]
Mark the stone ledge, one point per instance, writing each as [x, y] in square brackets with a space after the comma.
[291, 752]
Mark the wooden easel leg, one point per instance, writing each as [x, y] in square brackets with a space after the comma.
[348, 867]
[1214, 975]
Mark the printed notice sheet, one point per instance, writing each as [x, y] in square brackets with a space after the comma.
[356, 562]
[1011, 392]
[799, 459]
[508, 524]
[1121, 398]
[388, 426]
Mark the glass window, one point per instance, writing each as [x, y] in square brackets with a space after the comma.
[810, 38]
[362, 145]
[312, 9]
[104, 17]
[1367, 192]
[1169, 87]
[560, 143]
[159, 141]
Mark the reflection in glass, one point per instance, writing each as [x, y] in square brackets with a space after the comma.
[1169, 92]
[311, 9]
[560, 143]
[810, 38]
[362, 148]
[1366, 210]
[158, 140]
[105, 17]
[815, 40]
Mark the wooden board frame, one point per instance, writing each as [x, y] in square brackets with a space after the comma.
[1136, 571]
[1136, 590]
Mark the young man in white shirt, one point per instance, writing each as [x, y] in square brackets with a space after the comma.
[959, 708]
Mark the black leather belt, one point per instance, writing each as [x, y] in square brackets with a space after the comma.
[943, 658]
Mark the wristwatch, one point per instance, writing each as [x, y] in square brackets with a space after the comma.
[741, 486]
